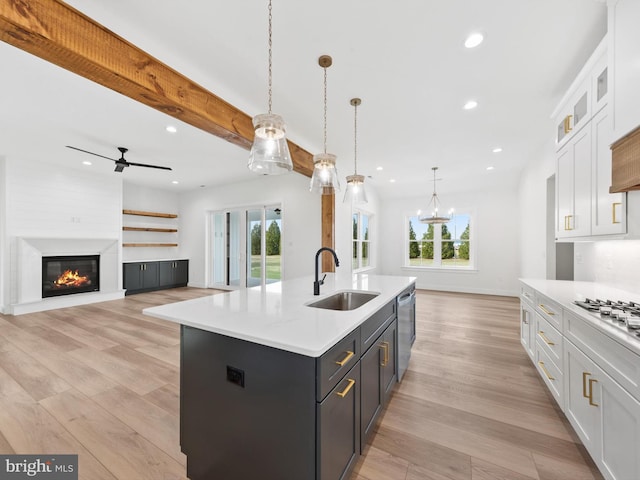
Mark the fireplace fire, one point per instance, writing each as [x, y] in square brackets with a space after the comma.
[65, 275]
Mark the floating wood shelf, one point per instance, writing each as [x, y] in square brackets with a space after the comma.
[149, 214]
[149, 229]
[149, 244]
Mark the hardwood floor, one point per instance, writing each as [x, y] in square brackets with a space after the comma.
[102, 381]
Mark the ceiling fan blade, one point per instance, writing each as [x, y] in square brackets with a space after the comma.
[149, 166]
[90, 153]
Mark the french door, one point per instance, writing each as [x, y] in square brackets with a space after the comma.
[245, 247]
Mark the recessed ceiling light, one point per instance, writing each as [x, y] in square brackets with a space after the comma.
[393, 180]
[490, 168]
[171, 129]
[473, 40]
[470, 105]
[497, 150]
[87, 162]
[175, 182]
[379, 168]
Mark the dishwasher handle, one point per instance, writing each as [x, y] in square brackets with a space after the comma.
[407, 298]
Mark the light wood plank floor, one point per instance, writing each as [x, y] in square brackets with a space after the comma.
[102, 381]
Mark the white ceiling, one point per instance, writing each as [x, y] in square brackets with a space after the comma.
[405, 59]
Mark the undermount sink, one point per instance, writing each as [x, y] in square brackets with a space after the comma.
[349, 300]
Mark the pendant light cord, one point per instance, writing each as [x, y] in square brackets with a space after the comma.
[355, 140]
[270, 54]
[325, 109]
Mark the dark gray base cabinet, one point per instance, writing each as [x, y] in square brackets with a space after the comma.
[251, 411]
[141, 277]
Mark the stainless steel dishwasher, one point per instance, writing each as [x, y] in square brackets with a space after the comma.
[406, 327]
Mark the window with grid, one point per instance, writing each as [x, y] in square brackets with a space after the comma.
[447, 245]
[361, 240]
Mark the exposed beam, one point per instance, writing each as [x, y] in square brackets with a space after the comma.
[56, 32]
[328, 231]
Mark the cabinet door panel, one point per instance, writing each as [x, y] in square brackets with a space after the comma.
[150, 278]
[581, 222]
[583, 416]
[389, 365]
[371, 390]
[339, 428]
[609, 209]
[132, 276]
[564, 191]
[620, 419]
[166, 273]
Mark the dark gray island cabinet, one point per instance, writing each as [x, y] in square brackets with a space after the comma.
[251, 411]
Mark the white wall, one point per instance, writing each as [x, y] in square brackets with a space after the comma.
[301, 224]
[42, 200]
[136, 197]
[494, 232]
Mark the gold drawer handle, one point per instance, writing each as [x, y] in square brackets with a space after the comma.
[591, 382]
[543, 336]
[544, 369]
[544, 309]
[385, 349]
[346, 359]
[584, 384]
[614, 219]
[346, 390]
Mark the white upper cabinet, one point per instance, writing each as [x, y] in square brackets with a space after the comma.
[608, 210]
[584, 133]
[624, 61]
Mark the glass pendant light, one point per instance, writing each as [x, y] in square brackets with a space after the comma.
[355, 183]
[325, 176]
[270, 151]
[435, 218]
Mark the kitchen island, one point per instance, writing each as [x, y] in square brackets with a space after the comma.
[274, 388]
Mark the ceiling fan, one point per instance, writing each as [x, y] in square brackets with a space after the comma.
[121, 163]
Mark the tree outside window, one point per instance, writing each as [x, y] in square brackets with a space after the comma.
[445, 245]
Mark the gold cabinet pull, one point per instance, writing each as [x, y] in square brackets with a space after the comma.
[348, 387]
[567, 123]
[614, 219]
[385, 348]
[345, 359]
[569, 217]
[544, 369]
[546, 340]
[584, 384]
[544, 309]
[565, 223]
[591, 382]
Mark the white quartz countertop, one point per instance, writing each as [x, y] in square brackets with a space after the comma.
[277, 315]
[566, 292]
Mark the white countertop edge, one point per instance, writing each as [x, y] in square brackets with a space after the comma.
[566, 292]
[278, 316]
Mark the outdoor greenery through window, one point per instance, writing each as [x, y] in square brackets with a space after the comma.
[361, 241]
[272, 245]
[446, 245]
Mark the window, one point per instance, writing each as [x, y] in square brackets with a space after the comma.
[361, 241]
[447, 245]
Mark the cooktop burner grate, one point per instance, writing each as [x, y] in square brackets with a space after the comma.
[625, 315]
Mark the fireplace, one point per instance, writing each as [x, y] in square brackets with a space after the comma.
[65, 275]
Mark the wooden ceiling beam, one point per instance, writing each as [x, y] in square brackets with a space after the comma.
[57, 33]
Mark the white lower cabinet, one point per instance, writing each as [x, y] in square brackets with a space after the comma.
[604, 415]
[527, 328]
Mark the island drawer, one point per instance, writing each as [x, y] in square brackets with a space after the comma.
[333, 364]
[371, 329]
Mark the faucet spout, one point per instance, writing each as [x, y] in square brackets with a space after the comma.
[317, 283]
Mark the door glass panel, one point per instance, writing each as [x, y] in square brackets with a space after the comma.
[218, 248]
[273, 244]
[602, 85]
[234, 266]
[254, 247]
[365, 239]
[580, 109]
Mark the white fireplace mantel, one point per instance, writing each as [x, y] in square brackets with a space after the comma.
[27, 272]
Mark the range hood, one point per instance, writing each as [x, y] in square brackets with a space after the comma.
[625, 163]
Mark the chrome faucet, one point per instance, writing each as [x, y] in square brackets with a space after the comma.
[317, 283]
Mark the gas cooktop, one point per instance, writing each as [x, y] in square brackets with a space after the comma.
[624, 315]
